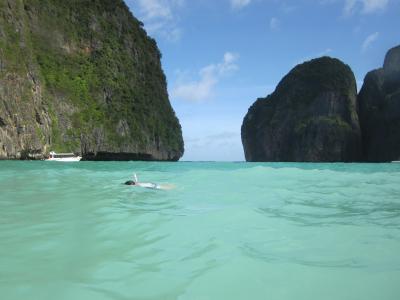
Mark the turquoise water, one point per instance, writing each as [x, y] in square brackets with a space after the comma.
[227, 231]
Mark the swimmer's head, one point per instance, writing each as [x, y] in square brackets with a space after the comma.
[130, 182]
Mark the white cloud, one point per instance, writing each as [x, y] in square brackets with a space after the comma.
[224, 146]
[369, 40]
[365, 6]
[374, 5]
[220, 137]
[325, 52]
[153, 9]
[349, 6]
[210, 75]
[160, 17]
[288, 9]
[238, 4]
[274, 24]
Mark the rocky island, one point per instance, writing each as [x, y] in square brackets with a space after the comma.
[379, 110]
[311, 116]
[315, 115]
[82, 77]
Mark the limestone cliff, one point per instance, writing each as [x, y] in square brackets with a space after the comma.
[379, 110]
[310, 117]
[82, 76]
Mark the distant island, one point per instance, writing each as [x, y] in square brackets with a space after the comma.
[82, 77]
[315, 115]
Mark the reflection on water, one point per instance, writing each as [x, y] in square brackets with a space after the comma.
[228, 231]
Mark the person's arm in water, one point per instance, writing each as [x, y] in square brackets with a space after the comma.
[155, 186]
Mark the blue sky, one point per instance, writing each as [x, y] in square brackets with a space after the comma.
[220, 56]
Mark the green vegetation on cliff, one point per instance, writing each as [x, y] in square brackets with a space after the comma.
[98, 72]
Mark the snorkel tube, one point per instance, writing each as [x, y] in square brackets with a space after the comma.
[135, 179]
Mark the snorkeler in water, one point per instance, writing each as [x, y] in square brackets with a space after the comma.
[147, 185]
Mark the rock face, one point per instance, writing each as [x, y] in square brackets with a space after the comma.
[82, 76]
[311, 116]
[379, 111]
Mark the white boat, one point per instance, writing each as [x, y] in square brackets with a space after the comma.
[63, 157]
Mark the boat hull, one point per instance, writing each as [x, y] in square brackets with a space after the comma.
[65, 159]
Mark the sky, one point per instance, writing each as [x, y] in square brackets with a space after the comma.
[219, 56]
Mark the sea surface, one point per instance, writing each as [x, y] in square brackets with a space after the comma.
[227, 231]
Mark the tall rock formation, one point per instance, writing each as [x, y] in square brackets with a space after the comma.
[82, 76]
[379, 110]
[310, 117]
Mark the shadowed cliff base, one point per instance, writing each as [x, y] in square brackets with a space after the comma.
[107, 156]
